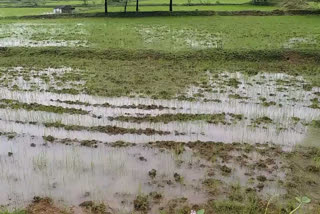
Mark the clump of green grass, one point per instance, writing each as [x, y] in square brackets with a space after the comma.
[315, 103]
[212, 185]
[263, 120]
[166, 118]
[14, 104]
[267, 104]
[315, 123]
[106, 129]
[237, 96]
[141, 203]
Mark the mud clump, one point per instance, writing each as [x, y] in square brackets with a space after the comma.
[260, 186]
[177, 177]
[141, 158]
[43, 206]
[313, 169]
[261, 178]
[86, 204]
[224, 169]
[263, 120]
[153, 173]
[48, 138]
[156, 197]
[178, 205]
[141, 203]
[261, 164]
[121, 144]
[93, 208]
[89, 143]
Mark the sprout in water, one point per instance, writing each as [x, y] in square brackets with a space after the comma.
[302, 200]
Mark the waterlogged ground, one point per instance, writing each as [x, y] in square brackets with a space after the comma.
[165, 33]
[41, 35]
[230, 132]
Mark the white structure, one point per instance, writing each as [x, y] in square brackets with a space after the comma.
[63, 9]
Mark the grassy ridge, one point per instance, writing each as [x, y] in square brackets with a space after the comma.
[121, 72]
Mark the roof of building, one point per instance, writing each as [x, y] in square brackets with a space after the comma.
[66, 7]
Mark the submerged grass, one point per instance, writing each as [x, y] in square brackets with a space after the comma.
[159, 57]
[159, 76]
[13, 104]
[172, 34]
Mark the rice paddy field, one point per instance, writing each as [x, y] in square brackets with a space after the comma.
[160, 115]
[15, 8]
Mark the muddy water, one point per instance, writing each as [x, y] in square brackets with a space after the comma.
[113, 175]
[282, 131]
[103, 174]
[117, 175]
[40, 35]
[209, 133]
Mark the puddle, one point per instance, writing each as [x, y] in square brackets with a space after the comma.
[194, 38]
[275, 109]
[104, 174]
[288, 114]
[53, 79]
[299, 41]
[217, 133]
[111, 175]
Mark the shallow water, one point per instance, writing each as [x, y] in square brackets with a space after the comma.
[116, 175]
[104, 174]
[111, 175]
[193, 38]
[283, 130]
[40, 35]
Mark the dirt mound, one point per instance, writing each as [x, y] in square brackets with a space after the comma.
[44, 206]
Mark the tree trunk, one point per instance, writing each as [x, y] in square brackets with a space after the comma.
[105, 6]
[170, 5]
[137, 6]
[125, 6]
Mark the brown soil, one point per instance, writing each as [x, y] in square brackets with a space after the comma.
[44, 206]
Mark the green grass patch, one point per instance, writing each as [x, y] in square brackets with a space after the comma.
[122, 73]
[172, 34]
[5, 12]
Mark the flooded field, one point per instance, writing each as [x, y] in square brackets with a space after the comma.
[40, 35]
[228, 133]
[160, 115]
